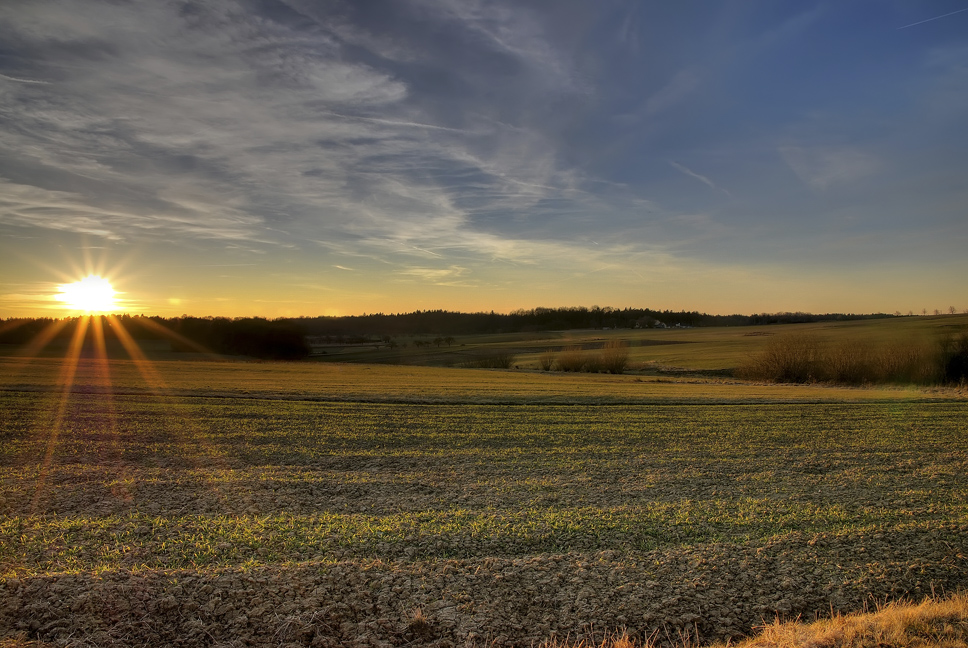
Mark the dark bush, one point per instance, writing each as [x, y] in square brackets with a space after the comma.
[954, 359]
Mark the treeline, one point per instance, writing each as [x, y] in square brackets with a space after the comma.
[285, 338]
[441, 322]
[250, 336]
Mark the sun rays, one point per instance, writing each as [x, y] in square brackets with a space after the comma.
[88, 348]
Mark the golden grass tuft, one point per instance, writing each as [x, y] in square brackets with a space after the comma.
[933, 623]
[419, 624]
[617, 640]
[571, 359]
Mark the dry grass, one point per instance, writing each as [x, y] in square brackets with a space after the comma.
[572, 359]
[615, 356]
[547, 360]
[22, 641]
[936, 623]
[612, 358]
[795, 358]
[619, 640]
[933, 623]
[418, 624]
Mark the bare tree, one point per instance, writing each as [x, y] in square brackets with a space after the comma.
[952, 310]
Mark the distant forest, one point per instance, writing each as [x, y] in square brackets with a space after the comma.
[285, 338]
[441, 322]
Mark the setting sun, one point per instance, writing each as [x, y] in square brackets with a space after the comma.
[92, 294]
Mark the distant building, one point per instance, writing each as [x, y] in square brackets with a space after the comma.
[649, 322]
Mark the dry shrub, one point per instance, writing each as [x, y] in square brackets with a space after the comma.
[615, 356]
[593, 363]
[547, 360]
[905, 363]
[787, 358]
[803, 358]
[850, 363]
[571, 359]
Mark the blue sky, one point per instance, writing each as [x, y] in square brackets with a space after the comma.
[296, 157]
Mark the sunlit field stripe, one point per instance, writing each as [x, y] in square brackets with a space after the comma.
[151, 377]
[106, 397]
[87, 543]
[65, 382]
[191, 436]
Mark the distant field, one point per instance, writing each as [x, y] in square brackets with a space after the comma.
[655, 350]
[361, 382]
[198, 503]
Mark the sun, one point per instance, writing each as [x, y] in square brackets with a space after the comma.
[92, 294]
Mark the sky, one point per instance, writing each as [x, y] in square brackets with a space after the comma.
[318, 157]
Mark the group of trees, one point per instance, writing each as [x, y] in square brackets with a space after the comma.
[447, 323]
[286, 338]
[249, 336]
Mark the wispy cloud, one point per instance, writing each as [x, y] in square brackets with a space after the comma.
[224, 124]
[450, 276]
[675, 91]
[692, 174]
[448, 141]
[825, 167]
[926, 20]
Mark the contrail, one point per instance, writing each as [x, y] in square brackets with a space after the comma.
[10, 78]
[921, 22]
[697, 176]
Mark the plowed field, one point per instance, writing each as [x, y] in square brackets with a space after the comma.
[332, 515]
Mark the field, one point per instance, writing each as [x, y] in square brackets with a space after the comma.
[226, 503]
[654, 351]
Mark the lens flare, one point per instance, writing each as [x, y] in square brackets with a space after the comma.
[92, 294]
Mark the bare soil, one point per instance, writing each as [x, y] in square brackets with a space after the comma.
[190, 521]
